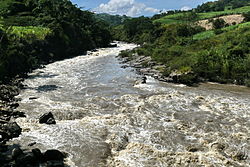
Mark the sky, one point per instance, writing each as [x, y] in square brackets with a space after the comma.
[136, 7]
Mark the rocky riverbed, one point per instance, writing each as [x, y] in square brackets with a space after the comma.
[14, 155]
[105, 117]
[144, 65]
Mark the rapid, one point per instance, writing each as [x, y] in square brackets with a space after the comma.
[104, 118]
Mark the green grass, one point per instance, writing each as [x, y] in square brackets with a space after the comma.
[208, 15]
[204, 35]
[169, 21]
[174, 18]
[30, 32]
[177, 18]
[210, 33]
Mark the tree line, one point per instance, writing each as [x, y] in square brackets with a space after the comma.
[221, 5]
[73, 31]
[224, 57]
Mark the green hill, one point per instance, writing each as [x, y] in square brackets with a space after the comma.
[192, 16]
[112, 20]
[189, 53]
[222, 5]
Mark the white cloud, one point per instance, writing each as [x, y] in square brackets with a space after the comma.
[125, 7]
[152, 10]
[185, 8]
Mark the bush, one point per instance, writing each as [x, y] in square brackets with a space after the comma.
[219, 23]
[186, 30]
[246, 16]
[247, 82]
[218, 31]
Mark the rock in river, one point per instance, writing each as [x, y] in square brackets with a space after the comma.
[47, 118]
[9, 131]
[50, 155]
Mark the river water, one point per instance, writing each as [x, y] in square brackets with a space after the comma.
[105, 119]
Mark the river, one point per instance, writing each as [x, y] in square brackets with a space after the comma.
[105, 119]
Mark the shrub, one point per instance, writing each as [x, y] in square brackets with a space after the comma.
[219, 23]
[218, 31]
[247, 82]
[246, 16]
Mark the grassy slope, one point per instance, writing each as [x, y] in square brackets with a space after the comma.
[216, 52]
[177, 18]
[210, 33]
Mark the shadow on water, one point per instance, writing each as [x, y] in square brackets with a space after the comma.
[44, 88]
[42, 75]
[47, 88]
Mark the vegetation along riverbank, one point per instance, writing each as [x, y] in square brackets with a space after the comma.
[33, 33]
[37, 32]
[209, 43]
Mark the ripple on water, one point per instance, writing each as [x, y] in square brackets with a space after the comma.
[103, 119]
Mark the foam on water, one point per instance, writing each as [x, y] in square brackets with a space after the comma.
[104, 119]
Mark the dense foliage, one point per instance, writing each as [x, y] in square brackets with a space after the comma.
[220, 55]
[138, 30]
[39, 31]
[222, 5]
[183, 17]
[112, 20]
[246, 16]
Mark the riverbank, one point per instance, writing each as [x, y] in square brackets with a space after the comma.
[104, 119]
[14, 155]
[52, 34]
[145, 65]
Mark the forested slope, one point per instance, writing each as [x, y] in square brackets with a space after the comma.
[189, 52]
[38, 31]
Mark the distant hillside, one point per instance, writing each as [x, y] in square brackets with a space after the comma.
[113, 20]
[222, 5]
[182, 17]
[229, 19]
[189, 46]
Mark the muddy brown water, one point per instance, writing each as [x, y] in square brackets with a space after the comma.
[104, 119]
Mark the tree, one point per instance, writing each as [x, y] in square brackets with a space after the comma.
[246, 16]
[219, 23]
[138, 26]
[73, 31]
[189, 16]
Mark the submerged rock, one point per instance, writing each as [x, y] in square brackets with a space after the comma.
[55, 164]
[47, 118]
[26, 159]
[14, 155]
[17, 114]
[240, 155]
[38, 154]
[9, 131]
[31, 144]
[144, 79]
[112, 45]
[7, 92]
[16, 152]
[51, 155]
